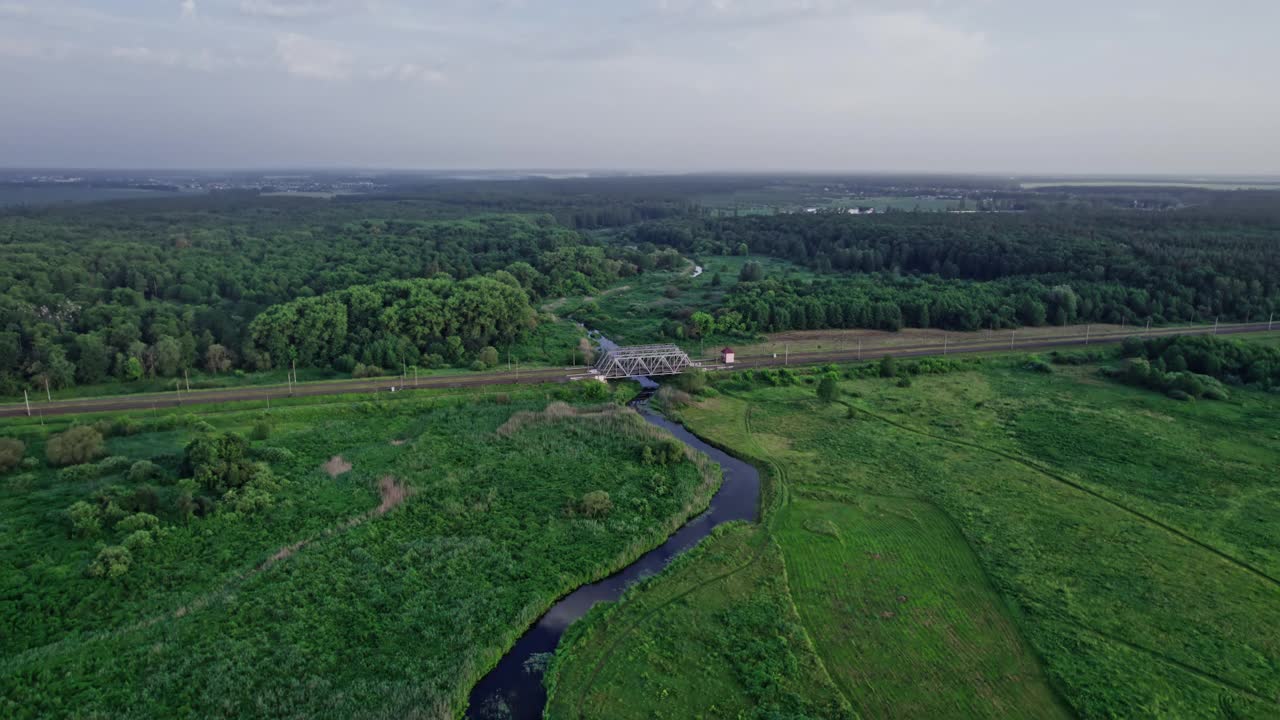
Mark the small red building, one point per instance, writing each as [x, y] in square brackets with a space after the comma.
[726, 355]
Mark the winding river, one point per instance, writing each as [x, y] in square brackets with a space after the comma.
[514, 689]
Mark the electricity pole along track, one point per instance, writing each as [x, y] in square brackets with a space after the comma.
[668, 364]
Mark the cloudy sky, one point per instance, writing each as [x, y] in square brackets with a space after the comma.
[1116, 86]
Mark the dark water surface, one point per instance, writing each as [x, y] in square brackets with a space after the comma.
[514, 691]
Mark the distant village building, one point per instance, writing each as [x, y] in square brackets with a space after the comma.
[726, 356]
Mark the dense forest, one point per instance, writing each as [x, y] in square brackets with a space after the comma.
[393, 323]
[129, 290]
[966, 271]
[125, 290]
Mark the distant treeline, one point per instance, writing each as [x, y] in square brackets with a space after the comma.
[970, 271]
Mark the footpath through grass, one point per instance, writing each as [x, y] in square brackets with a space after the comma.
[997, 542]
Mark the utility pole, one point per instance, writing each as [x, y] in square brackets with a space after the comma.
[1086, 334]
[859, 349]
[786, 354]
[1012, 334]
[1215, 325]
[1271, 320]
[944, 343]
[187, 378]
[415, 376]
[26, 400]
[177, 388]
[1148, 326]
[47, 394]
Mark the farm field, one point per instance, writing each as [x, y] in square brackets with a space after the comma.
[1055, 536]
[381, 558]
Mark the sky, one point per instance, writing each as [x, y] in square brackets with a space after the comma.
[1016, 86]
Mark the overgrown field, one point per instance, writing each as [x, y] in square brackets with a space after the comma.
[382, 558]
[1003, 542]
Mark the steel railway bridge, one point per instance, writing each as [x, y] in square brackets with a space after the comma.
[641, 360]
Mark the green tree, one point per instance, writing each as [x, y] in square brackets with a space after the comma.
[75, 446]
[489, 356]
[702, 324]
[93, 359]
[84, 519]
[828, 389]
[168, 354]
[217, 359]
[219, 463]
[596, 504]
[888, 367]
[112, 562]
[11, 452]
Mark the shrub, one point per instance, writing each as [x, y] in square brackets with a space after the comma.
[11, 452]
[143, 471]
[272, 454]
[828, 390]
[84, 519]
[75, 446]
[596, 504]
[1035, 363]
[114, 464]
[1179, 395]
[489, 356]
[138, 540]
[112, 562]
[144, 499]
[888, 367]
[478, 365]
[904, 382]
[261, 430]
[220, 463]
[138, 521]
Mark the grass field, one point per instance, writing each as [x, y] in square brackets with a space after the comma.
[874, 575]
[741, 651]
[1065, 545]
[403, 545]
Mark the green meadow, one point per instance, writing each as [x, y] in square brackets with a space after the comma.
[988, 541]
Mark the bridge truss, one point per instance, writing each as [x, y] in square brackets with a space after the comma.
[642, 360]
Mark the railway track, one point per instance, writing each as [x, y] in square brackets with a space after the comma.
[205, 397]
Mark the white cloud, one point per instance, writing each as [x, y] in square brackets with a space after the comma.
[298, 9]
[14, 10]
[409, 72]
[307, 57]
[188, 8]
[18, 48]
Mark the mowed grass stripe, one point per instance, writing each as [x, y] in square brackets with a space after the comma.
[902, 615]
